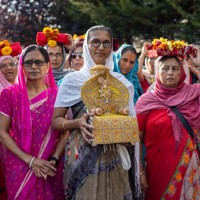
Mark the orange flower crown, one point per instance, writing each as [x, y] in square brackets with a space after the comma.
[78, 38]
[165, 47]
[13, 49]
[52, 37]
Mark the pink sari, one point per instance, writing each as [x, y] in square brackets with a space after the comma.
[31, 129]
[4, 83]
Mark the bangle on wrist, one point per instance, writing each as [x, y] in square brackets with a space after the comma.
[30, 165]
[54, 159]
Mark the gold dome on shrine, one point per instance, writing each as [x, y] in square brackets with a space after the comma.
[104, 91]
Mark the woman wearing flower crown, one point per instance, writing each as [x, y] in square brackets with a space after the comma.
[90, 172]
[8, 73]
[55, 43]
[172, 160]
[8, 66]
[26, 130]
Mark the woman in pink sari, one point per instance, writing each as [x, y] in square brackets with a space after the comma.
[8, 76]
[173, 166]
[25, 114]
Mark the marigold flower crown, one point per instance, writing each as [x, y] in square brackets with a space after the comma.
[6, 48]
[51, 37]
[165, 47]
[78, 38]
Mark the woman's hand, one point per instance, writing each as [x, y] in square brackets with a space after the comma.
[144, 52]
[86, 129]
[71, 42]
[195, 59]
[143, 182]
[43, 168]
[38, 173]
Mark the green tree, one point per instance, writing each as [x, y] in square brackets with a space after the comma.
[22, 19]
[177, 19]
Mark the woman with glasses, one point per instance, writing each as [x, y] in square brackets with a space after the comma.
[91, 172]
[57, 57]
[8, 74]
[8, 69]
[8, 65]
[56, 45]
[76, 56]
[25, 129]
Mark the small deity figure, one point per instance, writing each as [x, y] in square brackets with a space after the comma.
[105, 92]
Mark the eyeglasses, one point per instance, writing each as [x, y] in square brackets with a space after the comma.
[57, 55]
[96, 43]
[5, 66]
[38, 63]
[74, 55]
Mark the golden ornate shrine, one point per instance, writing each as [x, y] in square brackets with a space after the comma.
[108, 98]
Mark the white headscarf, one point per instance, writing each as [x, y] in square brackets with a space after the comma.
[69, 92]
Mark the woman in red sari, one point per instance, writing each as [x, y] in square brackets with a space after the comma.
[25, 114]
[172, 161]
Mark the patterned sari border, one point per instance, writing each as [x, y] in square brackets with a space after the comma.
[178, 176]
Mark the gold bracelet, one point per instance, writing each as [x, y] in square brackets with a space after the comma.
[65, 121]
[141, 173]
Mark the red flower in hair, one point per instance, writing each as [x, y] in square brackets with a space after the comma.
[51, 37]
[10, 49]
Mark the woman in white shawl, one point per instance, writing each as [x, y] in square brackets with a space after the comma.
[90, 172]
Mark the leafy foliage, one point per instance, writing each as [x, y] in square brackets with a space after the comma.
[148, 18]
[22, 19]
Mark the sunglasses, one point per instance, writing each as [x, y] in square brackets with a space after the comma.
[96, 43]
[38, 63]
[74, 55]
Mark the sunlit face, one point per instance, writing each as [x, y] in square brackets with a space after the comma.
[99, 53]
[55, 56]
[77, 58]
[37, 70]
[127, 62]
[169, 72]
[9, 69]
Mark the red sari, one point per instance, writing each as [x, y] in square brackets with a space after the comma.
[167, 161]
